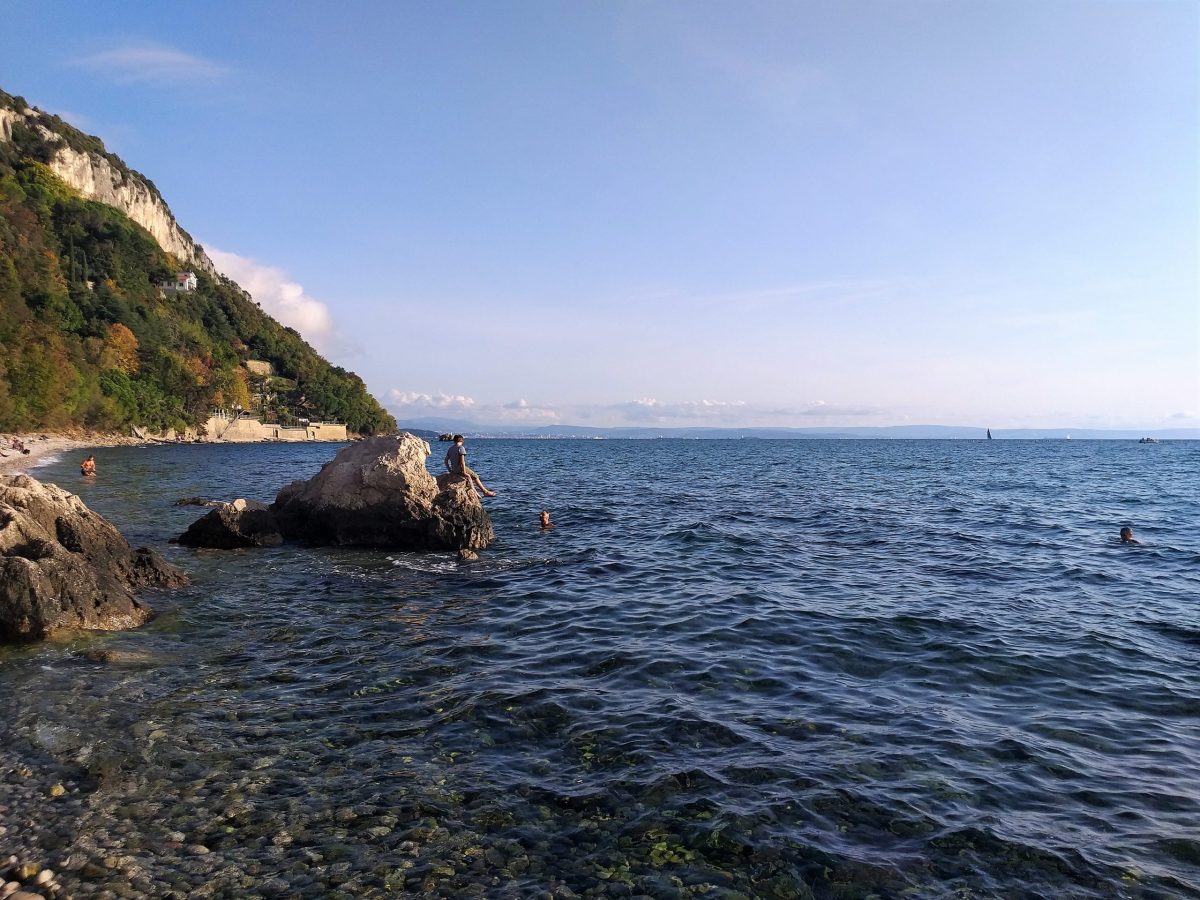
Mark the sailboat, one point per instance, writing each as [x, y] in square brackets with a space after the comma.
[989, 434]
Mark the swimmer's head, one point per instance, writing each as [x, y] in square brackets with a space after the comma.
[545, 517]
[1127, 533]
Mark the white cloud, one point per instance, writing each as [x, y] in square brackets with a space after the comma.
[649, 410]
[644, 412]
[280, 297]
[416, 404]
[143, 62]
[524, 411]
[413, 401]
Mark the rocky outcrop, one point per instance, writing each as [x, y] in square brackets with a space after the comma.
[378, 493]
[242, 523]
[96, 178]
[456, 517]
[63, 567]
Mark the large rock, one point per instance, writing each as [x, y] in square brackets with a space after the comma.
[242, 523]
[63, 567]
[378, 493]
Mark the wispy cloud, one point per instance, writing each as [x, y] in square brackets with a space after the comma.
[734, 413]
[814, 294]
[1059, 319]
[152, 63]
[782, 86]
[282, 298]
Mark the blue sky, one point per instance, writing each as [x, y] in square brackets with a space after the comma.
[770, 213]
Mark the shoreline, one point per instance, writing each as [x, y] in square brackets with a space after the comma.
[44, 445]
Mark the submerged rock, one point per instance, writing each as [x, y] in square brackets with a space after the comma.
[242, 523]
[378, 493]
[63, 567]
[115, 657]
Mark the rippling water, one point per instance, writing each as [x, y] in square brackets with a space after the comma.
[735, 668]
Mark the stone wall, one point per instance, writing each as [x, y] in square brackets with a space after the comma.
[251, 431]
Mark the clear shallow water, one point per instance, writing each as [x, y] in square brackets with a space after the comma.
[844, 669]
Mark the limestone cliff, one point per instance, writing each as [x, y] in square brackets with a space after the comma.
[95, 177]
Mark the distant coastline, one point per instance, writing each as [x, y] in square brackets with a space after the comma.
[426, 427]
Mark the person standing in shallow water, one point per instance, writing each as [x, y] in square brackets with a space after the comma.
[456, 464]
[545, 519]
[88, 466]
[1127, 536]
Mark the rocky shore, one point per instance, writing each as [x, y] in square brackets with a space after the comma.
[64, 568]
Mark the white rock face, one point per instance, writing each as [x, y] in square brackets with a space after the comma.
[96, 179]
[7, 117]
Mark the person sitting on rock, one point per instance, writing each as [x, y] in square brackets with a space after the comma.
[456, 463]
[88, 466]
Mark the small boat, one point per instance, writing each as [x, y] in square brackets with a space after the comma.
[989, 437]
[1148, 440]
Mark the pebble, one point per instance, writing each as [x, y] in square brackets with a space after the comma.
[43, 877]
[198, 849]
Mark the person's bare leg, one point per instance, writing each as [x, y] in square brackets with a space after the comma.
[479, 482]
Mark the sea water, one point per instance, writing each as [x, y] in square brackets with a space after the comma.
[733, 668]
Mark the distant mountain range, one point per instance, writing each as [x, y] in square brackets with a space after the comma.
[894, 432]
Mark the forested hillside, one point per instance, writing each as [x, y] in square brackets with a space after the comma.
[88, 338]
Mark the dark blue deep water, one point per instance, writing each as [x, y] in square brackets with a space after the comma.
[735, 669]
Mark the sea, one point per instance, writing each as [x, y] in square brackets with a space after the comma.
[733, 669]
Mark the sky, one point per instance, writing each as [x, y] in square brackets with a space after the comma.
[680, 213]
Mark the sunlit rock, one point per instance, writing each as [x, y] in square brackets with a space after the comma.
[379, 493]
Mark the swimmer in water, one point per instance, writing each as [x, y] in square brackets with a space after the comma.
[546, 523]
[1127, 536]
[88, 466]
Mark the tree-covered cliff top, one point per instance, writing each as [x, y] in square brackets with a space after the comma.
[75, 139]
[87, 337]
